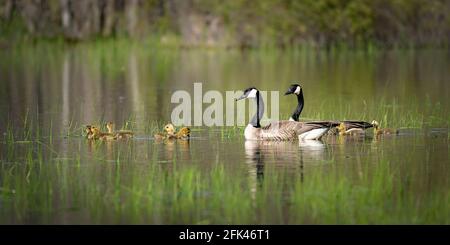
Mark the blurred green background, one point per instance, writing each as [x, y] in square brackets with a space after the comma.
[234, 23]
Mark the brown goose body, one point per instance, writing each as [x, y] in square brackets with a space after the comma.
[288, 130]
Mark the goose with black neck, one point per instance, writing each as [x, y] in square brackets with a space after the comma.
[351, 125]
[280, 130]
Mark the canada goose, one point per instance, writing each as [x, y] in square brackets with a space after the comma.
[350, 125]
[382, 131]
[281, 130]
[298, 91]
[97, 134]
[121, 134]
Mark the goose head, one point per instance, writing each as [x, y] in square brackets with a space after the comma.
[252, 92]
[297, 90]
[248, 93]
[294, 89]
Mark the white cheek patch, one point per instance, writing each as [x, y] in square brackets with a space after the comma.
[297, 90]
[252, 94]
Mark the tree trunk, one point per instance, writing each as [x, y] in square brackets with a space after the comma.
[107, 17]
[6, 9]
[131, 10]
[30, 11]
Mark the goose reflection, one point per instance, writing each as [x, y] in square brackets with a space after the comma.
[312, 150]
[255, 164]
[281, 153]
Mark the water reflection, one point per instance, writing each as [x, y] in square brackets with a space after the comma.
[312, 150]
[77, 86]
[280, 154]
[255, 164]
[171, 150]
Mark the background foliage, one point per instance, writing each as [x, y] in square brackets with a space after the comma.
[243, 23]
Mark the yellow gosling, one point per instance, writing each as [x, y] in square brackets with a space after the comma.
[171, 133]
[97, 134]
[353, 131]
[168, 133]
[89, 133]
[184, 132]
[382, 131]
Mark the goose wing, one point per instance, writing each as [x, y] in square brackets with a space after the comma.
[281, 130]
[357, 124]
[289, 130]
[322, 124]
[310, 126]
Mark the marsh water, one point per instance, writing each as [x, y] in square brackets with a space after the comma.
[51, 174]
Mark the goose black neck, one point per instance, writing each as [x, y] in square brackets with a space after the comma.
[255, 122]
[299, 108]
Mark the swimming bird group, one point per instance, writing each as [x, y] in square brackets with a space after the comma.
[292, 129]
[94, 133]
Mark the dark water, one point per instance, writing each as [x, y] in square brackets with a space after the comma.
[51, 174]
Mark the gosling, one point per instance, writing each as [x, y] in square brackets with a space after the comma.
[97, 134]
[170, 133]
[89, 133]
[342, 129]
[382, 131]
[184, 132]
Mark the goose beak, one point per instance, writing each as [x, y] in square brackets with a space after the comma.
[288, 92]
[242, 97]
